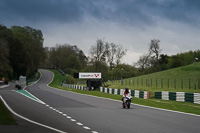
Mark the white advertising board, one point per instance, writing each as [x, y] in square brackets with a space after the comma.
[90, 75]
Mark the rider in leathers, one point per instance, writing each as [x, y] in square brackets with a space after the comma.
[126, 92]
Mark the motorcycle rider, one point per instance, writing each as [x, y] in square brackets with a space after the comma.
[126, 92]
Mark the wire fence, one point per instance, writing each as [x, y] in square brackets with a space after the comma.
[189, 83]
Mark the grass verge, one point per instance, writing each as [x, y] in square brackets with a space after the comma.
[58, 78]
[181, 79]
[163, 104]
[5, 116]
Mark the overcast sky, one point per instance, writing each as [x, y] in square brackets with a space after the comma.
[132, 23]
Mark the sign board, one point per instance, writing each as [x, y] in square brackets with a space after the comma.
[90, 75]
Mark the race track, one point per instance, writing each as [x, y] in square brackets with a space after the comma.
[73, 113]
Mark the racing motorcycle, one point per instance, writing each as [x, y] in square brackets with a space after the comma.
[126, 101]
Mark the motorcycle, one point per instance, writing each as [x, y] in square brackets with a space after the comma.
[126, 101]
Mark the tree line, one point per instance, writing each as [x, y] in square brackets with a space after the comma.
[66, 57]
[21, 51]
[103, 57]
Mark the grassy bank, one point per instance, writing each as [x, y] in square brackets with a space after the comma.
[182, 79]
[58, 78]
[171, 105]
[5, 116]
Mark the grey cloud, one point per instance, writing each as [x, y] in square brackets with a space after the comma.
[145, 12]
[40, 10]
[131, 12]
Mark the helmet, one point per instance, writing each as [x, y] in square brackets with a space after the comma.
[126, 89]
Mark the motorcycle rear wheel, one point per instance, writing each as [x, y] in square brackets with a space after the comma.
[123, 105]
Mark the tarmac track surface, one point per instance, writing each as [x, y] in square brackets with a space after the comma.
[71, 112]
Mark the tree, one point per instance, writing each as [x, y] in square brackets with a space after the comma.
[175, 61]
[111, 54]
[154, 49]
[104, 52]
[82, 59]
[66, 57]
[8, 43]
[5, 69]
[144, 61]
[163, 61]
[98, 53]
[113, 51]
[120, 52]
[127, 72]
[22, 50]
[72, 62]
[31, 42]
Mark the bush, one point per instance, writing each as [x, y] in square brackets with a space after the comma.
[70, 79]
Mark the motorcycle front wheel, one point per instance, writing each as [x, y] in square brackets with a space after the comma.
[128, 104]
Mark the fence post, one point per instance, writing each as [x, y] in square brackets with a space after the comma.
[174, 83]
[156, 83]
[168, 83]
[189, 83]
[182, 83]
[146, 82]
[142, 82]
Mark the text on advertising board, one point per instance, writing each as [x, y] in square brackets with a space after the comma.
[90, 75]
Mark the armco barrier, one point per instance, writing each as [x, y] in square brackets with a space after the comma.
[134, 93]
[74, 86]
[179, 96]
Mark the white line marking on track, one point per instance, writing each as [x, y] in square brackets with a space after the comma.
[73, 120]
[22, 117]
[86, 127]
[68, 117]
[4, 86]
[80, 124]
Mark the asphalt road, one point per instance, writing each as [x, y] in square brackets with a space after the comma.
[71, 112]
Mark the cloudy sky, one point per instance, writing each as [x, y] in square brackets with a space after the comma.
[132, 23]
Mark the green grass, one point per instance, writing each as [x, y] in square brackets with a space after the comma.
[5, 116]
[58, 78]
[171, 105]
[174, 80]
